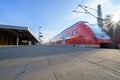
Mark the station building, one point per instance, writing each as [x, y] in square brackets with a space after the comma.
[16, 35]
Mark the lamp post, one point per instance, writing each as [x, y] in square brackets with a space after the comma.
[40, 35]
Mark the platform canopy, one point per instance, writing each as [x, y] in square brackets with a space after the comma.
[18, 32]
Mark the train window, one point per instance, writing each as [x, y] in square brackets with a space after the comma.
[63, 37]
[74, 32]
[67, 36]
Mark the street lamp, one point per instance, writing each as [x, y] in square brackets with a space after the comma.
[40, 35]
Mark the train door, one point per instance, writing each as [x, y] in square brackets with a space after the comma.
[63, 42]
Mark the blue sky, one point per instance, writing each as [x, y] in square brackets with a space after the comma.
[53, 15]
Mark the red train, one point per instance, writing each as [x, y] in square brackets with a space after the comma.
[82, 33]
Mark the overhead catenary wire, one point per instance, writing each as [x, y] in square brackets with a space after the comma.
[86, 11]
[77, 8]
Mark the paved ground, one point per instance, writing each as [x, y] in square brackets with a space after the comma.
[59, 63]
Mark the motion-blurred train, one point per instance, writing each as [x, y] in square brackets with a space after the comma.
[82, 33]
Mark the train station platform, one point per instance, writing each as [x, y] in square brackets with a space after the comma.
[49, 62]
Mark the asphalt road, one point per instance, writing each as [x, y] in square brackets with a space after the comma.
[59, 63]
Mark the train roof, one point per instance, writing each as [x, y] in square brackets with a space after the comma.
[71, 27]
[75, 24]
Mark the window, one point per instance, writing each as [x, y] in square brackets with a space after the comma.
[74, 32]
[67, 36]
[63, 37]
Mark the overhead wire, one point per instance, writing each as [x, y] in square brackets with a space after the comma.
[77, 8]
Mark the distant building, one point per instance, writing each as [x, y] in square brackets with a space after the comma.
[16, 35]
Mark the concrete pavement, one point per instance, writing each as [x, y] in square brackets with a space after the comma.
[59, 63]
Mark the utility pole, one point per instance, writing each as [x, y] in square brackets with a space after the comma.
[114, 29]
[99, 18]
